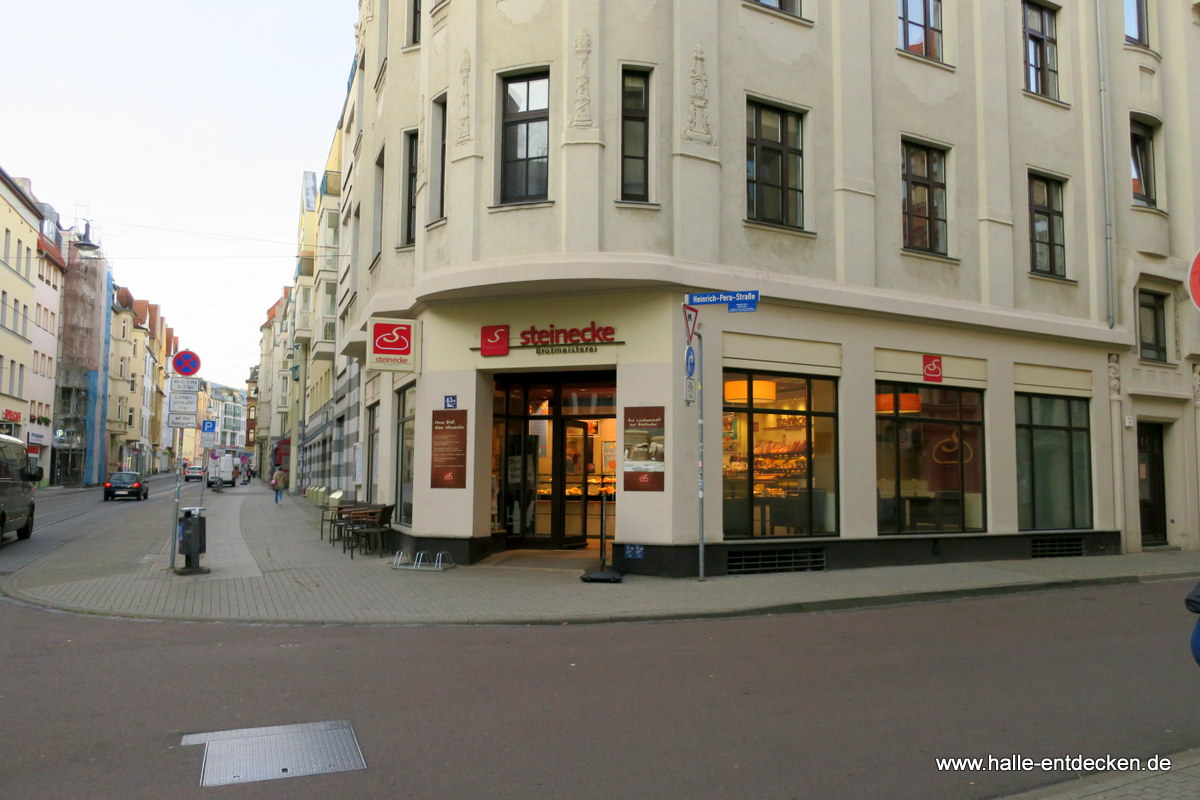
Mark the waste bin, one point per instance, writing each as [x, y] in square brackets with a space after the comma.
[192, 540]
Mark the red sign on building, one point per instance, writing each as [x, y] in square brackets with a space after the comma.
[12, 416]
[493, 340]
[932, 368]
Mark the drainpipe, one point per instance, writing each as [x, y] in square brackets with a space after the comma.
[1106, 177]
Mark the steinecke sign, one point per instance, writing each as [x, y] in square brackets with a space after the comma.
[393, 344]
[494, 340]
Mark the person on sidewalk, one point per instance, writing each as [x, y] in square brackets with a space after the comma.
[279, 481]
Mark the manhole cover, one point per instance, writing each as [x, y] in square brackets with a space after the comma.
[281, 751]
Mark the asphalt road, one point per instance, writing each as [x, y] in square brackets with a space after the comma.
[854, 704]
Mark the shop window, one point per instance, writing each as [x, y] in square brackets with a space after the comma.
[779, 455]
[406, 430]
[1054, 484]
[929, 459]
[373, 453]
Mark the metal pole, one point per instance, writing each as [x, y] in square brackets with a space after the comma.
[700, 402]
[177, 438]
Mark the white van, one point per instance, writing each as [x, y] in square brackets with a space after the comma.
[16, 488]
[220, 471]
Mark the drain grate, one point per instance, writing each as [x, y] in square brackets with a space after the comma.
[799, 559]
[247, 755]
[1056, 547]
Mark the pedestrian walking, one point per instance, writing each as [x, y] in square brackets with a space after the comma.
[237, 474]
[279, 481]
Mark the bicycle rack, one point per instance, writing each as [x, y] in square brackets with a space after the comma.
[441, 562]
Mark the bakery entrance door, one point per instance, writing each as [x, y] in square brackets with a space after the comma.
[576, 447]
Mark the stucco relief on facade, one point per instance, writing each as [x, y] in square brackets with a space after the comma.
[583, 91]
[464, 99]
[698, 128]
[1114, 377]
[1196, 384]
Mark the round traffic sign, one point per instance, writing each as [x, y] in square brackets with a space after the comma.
[186, 362]
[689, 360]
[1193, 281]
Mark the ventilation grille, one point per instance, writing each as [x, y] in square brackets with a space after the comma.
[1056, 547]
[800, 559]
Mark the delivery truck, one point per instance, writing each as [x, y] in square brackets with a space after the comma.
[220, 471]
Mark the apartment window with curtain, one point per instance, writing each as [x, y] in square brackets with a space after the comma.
[406, 432]
[779, 455]
[921, 28]
[1152, 325]
[1141, 150]
[410, 188]
[1135, 23]
[924, 204]
[1041, 49]
[1046, 227]
[1054, 471]
[635, 135]
[929, 458]
[526, 139]
[774, 166]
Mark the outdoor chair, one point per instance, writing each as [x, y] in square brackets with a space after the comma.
[347, 517]
[329, 511]
[368, 535]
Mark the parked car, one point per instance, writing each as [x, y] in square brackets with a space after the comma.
[193, 473]
[16, 488]
[125, 484]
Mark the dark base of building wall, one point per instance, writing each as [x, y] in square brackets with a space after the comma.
[798, 555]
[792, 555]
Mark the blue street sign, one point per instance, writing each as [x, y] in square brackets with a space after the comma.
[729, 298]
[742, 305]
[450, 401]
[208, 426]
[689, 360]
[635, 551]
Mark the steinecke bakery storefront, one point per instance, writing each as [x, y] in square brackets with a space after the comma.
[545, 422]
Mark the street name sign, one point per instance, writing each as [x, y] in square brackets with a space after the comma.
[181, 420]
[734, 301]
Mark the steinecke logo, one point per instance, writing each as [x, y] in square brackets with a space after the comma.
[493, 340]
[392, 338]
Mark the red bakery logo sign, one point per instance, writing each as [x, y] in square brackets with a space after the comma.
[390, 338]
[932, 368]
[493, 340]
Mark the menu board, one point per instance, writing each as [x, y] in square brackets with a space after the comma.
[645, 449]
[449, 450]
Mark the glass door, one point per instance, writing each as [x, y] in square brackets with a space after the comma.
[576, 450]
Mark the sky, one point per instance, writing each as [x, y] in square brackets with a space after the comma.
[182, 131]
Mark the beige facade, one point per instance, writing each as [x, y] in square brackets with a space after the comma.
[20, 224]
[943, 217]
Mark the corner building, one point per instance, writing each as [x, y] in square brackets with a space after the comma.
[939, 251]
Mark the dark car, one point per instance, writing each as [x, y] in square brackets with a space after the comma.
[126, 484]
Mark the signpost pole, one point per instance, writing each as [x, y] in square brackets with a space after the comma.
[700, 414]
[177, 439]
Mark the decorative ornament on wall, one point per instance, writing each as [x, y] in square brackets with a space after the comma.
[464, 99]
[698, 129]
[583, 91]
[1114, 377]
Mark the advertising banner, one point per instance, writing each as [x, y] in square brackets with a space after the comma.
[645, 449]
[448, 453]
[393, 344]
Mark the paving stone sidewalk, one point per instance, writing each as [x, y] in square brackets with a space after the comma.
[1181, 782]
